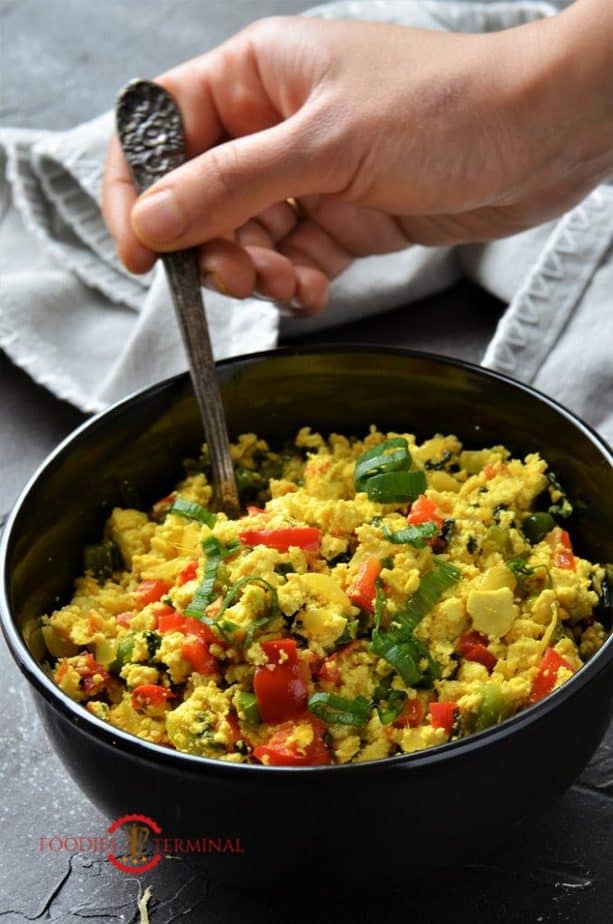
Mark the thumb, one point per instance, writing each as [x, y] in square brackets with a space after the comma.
[223, 188]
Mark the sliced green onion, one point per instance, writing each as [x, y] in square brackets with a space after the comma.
[379, 603]
[389, 456]
[413, 535]
[338, 710]
[227, 627]
[202, 597]
[430, 590]
[404, 652]
[231, 598]
[193, 511]
[248, 708]
[231, 548]
[395, 704]
[395, 648]
[396, 487]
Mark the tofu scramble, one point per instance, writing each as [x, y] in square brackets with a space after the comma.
[378, 597]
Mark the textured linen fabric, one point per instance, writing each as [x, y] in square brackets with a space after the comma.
[82, 326]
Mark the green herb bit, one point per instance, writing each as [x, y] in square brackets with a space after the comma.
[561, 505]
[248, 708]
[349, 634]
[227, 627]
[389, 456]
[249, 483]
[338, 710]
[193, 511]
[233, 595]
[396, 487]
[447, 529]
[431, 588]
[395, 703]
[153, 640]
[395, 647]
[413, 535]
[522, 570]
[231, 548]
[379, 603]
[383, 689]
[202, 597]
[437, 466]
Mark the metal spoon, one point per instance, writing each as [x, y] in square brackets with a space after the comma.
[151, 133]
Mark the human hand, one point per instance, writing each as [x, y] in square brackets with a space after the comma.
[384, 135]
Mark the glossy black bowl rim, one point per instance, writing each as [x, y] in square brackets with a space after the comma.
[177, 760]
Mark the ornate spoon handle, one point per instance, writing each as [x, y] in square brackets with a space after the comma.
[151, 132]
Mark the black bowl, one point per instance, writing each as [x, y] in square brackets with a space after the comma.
[389, 818]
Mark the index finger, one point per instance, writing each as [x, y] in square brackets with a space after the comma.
[118, 197]
[188, 84]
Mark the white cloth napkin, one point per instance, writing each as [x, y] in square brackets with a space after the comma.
[82, 326]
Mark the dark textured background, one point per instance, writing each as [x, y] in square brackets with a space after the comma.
[62, 62]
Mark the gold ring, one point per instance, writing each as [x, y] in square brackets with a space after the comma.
[296, 208]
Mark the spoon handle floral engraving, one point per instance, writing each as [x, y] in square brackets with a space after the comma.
[151, 133]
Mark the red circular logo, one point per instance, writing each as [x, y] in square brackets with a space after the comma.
[138, 831]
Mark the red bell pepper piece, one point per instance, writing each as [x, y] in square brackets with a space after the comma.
[151, 591]
[162, 612]
[363, 590]
[330, 668]
[171, 621]
[280, 751]
[235, 728]
[279, 650]
[315, 663]
[563, 557]
[424, 510]
[547, 674]
[196, 651]
[443, 715]
[188, 573]
[473, 647]
[94, 676]
[412, 715]
[253, 511]
[124, 619]
[303, 537]
[169, 499]
[565, 560]
[281, 686]
[150, 694]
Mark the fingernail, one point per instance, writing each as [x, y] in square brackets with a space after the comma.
[214, 284]
[294, 303]
[159, 217]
